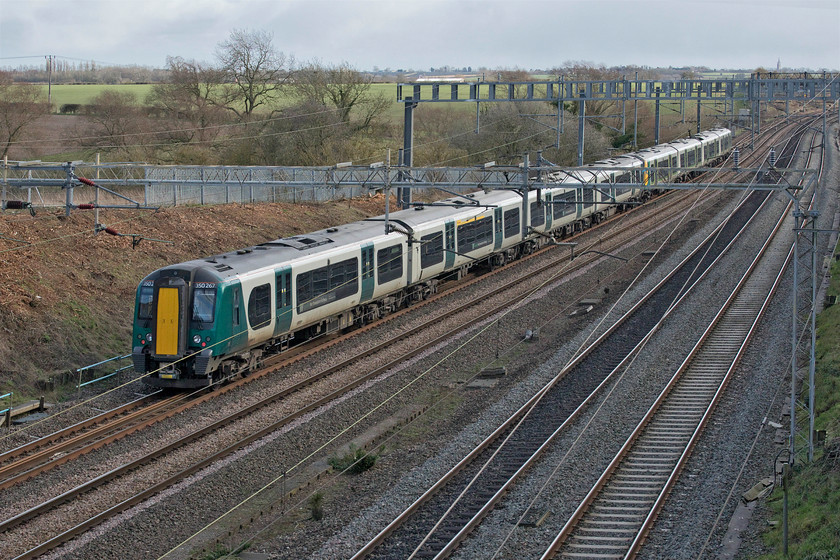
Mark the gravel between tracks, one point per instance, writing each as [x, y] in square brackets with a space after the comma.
[170, 519]
[410, 463]
[366, 525]
[699, 505]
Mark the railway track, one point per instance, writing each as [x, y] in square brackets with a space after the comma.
[615, 517]
[32, 514]
[435, 524]
[64, 445]
[27, 461]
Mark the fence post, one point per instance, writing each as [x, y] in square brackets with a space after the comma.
[8, 415]
[5, 178]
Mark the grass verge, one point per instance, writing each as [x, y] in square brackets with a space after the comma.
[814, 491]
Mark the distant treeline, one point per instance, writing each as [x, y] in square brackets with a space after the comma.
[68, 72]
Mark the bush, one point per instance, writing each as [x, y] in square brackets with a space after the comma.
[221, 551]
[316, 506]
[356, 461]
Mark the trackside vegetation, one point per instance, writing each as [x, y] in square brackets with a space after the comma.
[814, 490]
[356, 461]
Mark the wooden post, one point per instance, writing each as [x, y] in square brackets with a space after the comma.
[96, 195]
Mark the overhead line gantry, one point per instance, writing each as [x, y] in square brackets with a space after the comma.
[758, 88]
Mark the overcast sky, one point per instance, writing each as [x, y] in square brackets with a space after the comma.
[420, 34]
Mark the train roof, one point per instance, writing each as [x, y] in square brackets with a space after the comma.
[287, 249]
[454, 208]
[657, 151]
[275, 253]
[279, 251]
[712, 134]
[625, 160]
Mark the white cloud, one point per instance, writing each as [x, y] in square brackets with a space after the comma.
[386, 33]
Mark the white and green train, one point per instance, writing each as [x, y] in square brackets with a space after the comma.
[202, 321]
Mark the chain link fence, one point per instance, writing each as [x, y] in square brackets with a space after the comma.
[44, 185]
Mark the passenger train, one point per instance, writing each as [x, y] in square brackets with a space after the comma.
[205, 320]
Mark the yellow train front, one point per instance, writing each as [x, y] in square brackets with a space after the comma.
[179, 333]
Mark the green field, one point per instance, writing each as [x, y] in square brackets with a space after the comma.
[83, 94]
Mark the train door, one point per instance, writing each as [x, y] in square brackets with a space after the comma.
[170, 325]
[368, 281]
[449, 243]
[283, 300]
[498, 228]
[549, 211]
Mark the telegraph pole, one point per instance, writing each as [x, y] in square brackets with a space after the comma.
[50, 58]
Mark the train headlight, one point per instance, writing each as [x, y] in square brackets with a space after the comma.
[149, 337]
[197, 339]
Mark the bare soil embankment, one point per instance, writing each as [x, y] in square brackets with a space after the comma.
[67, 295]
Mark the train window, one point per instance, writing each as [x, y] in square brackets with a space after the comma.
[327, 284]
[659, 175]
[431, 249]
[236, 307]
[623, 178]
[537, 214]
[558, 204]
[475, 234]
[144, 310]
[588, 197]
[259, 306]
[564, 204]
[389, 263]
[511, 222]
[204, 304]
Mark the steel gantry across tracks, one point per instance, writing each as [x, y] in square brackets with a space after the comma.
[768, 88]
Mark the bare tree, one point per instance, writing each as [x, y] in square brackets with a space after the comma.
[305, 135]
[20, 106]
[515, 75]
[505, 134]
[343, 88]
[118, 125]
[437, 130]
[584, 71]
[187, 99]
[253, 71]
